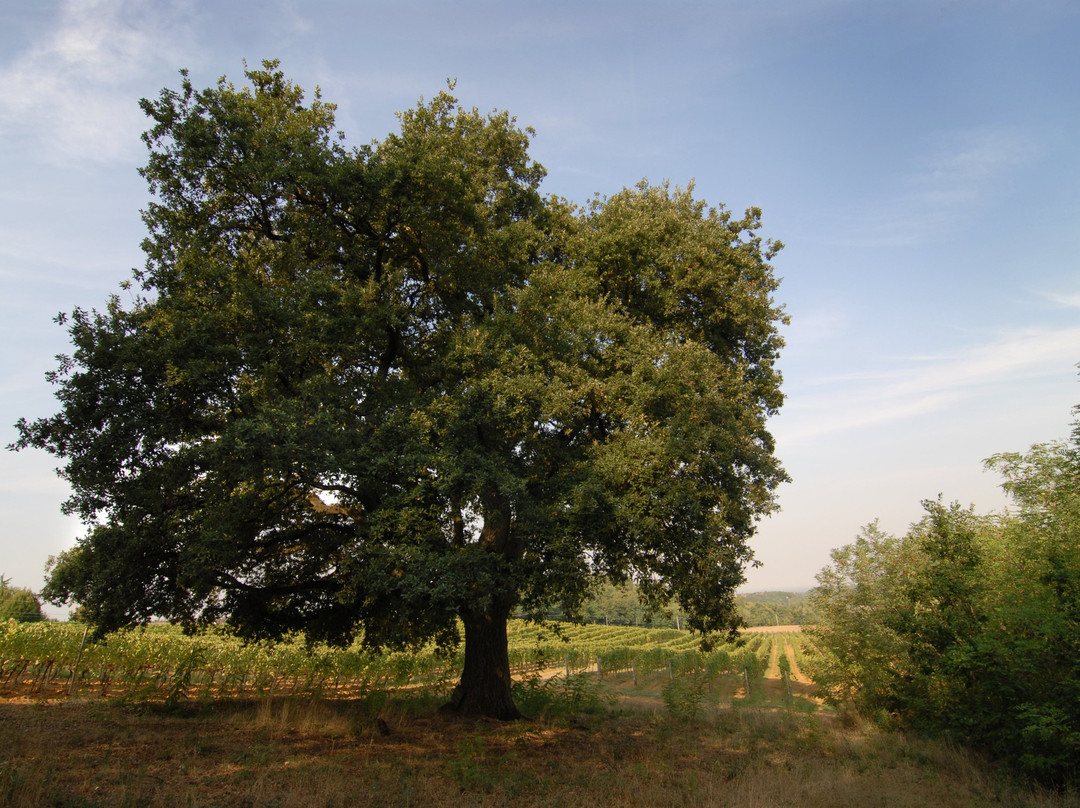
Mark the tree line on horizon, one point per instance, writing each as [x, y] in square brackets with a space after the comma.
[623, 606]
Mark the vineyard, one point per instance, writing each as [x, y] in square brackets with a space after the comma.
[687, 731]
[159, 662]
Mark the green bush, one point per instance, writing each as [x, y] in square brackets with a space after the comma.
[683, 694]
[18, 603]
[580, 693]
[968, 626]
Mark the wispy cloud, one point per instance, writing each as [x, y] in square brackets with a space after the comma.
[927, 384]
[72, 94]
[1065, 300]
[960, 170]
[950, 183]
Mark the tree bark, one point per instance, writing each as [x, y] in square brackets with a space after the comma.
[484, 689]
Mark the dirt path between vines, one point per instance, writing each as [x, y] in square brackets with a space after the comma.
[796, 673]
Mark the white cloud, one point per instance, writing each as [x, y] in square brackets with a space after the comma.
[72, 95]
[925, 385]
[1064, 300]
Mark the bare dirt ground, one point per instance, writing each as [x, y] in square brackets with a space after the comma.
[796, 673]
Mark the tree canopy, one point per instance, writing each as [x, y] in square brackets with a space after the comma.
[380, 390]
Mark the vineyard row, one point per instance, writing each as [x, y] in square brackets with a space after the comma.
[162, 662]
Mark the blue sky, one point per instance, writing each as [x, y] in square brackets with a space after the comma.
[918, 158]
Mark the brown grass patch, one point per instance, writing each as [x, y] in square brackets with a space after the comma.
[336, 753]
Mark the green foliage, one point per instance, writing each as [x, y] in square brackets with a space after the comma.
[387, 391]
[160, 662]
[776, 609]
[968, 625]
[683, 694]
[560, 696]
[18, 603]
[468, 767]
[624, 605]
[617, 606]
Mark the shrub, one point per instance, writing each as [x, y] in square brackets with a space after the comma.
[18, 603]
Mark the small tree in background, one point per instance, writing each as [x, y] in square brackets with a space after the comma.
[19, 603]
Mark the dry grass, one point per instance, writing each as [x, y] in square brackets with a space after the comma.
[345, 753]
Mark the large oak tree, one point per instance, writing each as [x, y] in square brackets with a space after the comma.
[392, 391]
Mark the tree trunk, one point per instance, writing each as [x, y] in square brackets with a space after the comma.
[484, 689]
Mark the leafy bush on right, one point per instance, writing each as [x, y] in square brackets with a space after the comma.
[968, 625]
